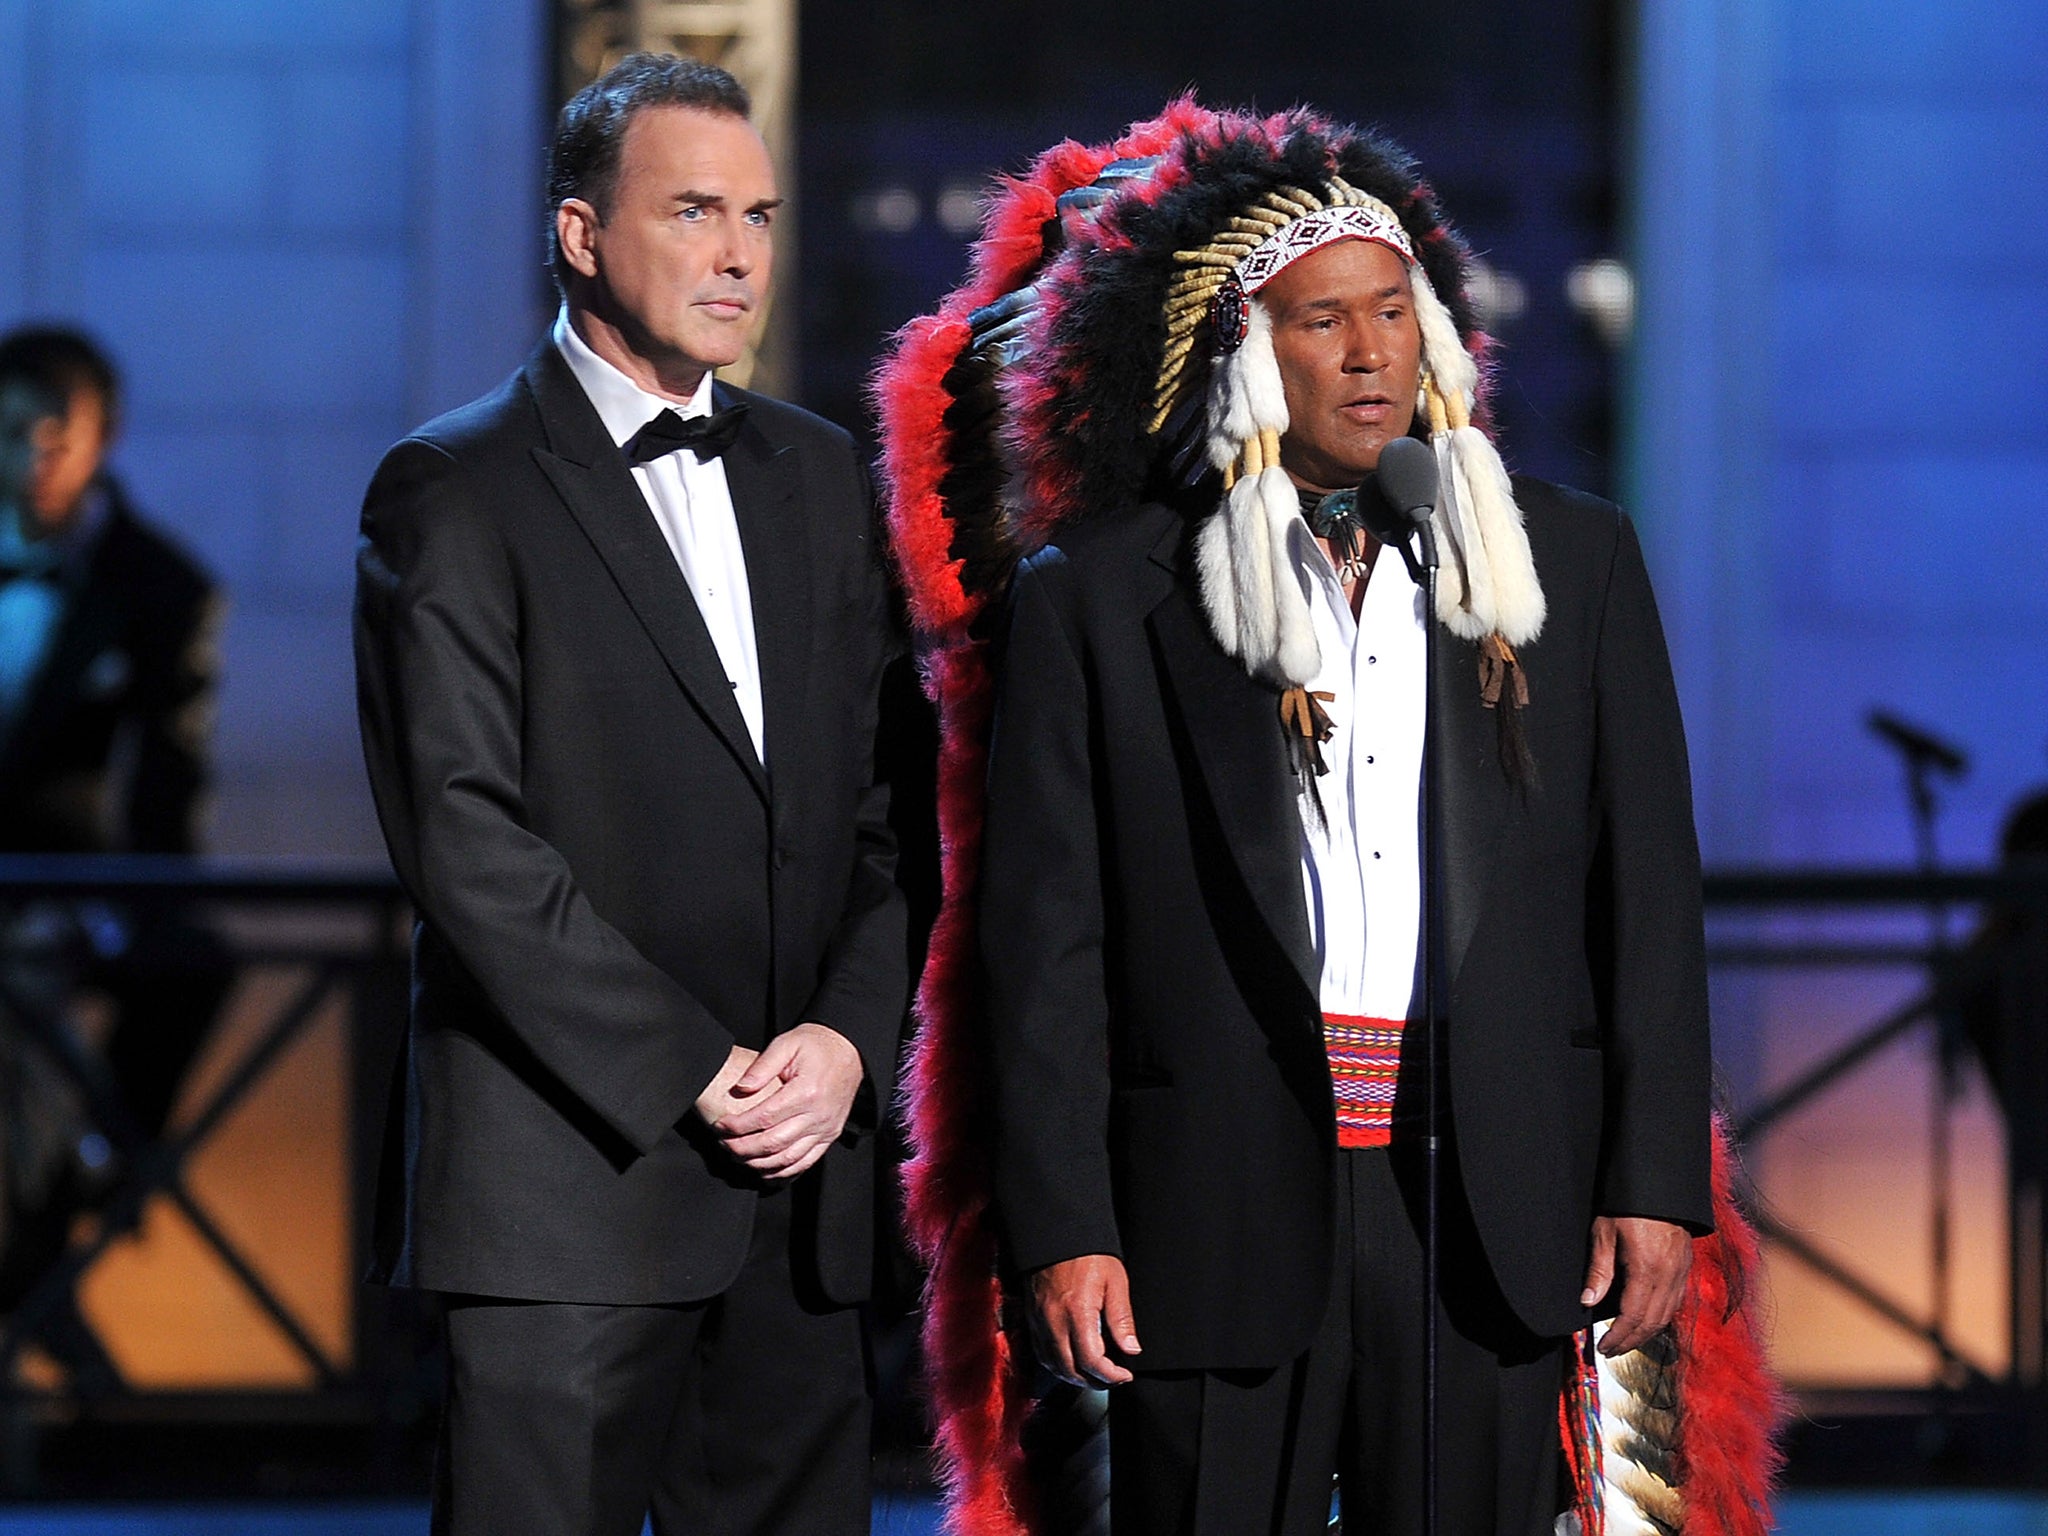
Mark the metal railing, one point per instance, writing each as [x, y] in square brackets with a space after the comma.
[340, 932]
[1786, 920]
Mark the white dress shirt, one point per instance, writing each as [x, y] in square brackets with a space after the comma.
[1361, 865]
[692, 505]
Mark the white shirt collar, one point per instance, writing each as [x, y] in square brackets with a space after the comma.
[622, 405]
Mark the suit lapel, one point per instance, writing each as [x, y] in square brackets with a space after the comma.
[591, 476]
[763, 480]
[1233, 726]
[1472, 792]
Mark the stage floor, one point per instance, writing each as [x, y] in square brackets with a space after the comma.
[1833, 1513]
[895, 1515]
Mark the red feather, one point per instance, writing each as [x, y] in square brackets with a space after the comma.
[1732, 1406]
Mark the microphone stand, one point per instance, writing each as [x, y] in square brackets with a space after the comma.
[1404, 484]
[1422, 567]
[1922, 761]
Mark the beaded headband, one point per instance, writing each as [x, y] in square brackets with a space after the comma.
[1230, 312]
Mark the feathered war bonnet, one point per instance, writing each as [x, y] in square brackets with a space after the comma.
[1078, 370]
[1152, 350]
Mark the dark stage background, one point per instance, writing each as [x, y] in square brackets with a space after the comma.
[1772, 272]
[1514, 111]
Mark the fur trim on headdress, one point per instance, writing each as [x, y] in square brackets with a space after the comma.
[1138, 322]
[1255, 606]
[1489, 585]
[1123, 310]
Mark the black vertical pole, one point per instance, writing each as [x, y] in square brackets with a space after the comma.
[1434, 1007]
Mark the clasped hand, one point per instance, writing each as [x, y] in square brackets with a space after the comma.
[778, 1110]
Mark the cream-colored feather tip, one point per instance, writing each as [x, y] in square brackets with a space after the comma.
[1228, 422]
[1246, 397]
[1442, 350]
[1638, 1444]
[1213, 577]
[1252, 575]
[1518, 602]
[1265, 392]
[1464, 591]
[1296, 655]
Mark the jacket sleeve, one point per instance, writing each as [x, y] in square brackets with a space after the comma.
[177, 687]
[1654, 1158]
[864, 980]
[1042, 933]
[439, 690]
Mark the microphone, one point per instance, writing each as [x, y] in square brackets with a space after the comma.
[1401, 493]
[1397, 498]
[1917, 746]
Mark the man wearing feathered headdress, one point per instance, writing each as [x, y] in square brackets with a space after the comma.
[1172, 1078]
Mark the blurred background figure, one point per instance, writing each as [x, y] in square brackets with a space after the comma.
[108, 660]
[108, 670]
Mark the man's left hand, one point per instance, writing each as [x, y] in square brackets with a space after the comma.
[795, 1097]
[1654, 1257]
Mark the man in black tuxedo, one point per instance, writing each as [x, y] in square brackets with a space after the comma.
[620, 630]
[1202, 874]
[109, 666]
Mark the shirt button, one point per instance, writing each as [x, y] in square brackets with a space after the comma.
[1372, 661]
[1375, 853]
[1368, 757]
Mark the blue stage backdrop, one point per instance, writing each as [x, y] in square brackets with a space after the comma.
[301, 228]
[1836, 441]
[305, 224]
[1839, 441]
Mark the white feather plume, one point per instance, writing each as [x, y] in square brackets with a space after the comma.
[1217, 582]
[1253, 575]
[1296, 655]
[1246, 395]
[1517, 604]
[1448, 361]
[1464, 588]
[1244, 556]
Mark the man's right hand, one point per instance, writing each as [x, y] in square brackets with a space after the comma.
[1074, 1304]
[716, 1101]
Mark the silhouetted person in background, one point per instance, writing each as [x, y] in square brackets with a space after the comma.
[108, 670]
[1999, 985]
[2001, 979]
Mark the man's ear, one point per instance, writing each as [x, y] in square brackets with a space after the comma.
[576, 229]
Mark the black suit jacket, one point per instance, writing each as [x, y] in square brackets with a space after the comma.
[611, 891]
[110, 751]
[1162, 1088]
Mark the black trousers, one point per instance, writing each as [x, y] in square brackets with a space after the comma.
[745, 1415]
[1244, 1453]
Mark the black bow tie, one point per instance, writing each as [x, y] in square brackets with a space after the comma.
[705, 436]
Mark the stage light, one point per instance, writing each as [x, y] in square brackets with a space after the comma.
[1604, 291]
